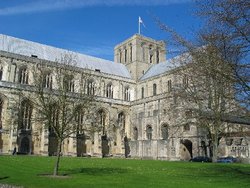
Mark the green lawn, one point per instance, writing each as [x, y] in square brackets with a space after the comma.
[82, 172]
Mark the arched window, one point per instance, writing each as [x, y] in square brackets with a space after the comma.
[101, 120]
[23, 76]
[169, 85]
[90, 87]
[164, 132]
[127, 94]
[126, 51]
[79, 118]
[120, 54]
[143, 52]
[131, 53]
[68, 83]
[54, 118]
[135, 133]
[1, 72]
[151, 53]
[25, 115]
[109, 91]
[149, 132]
[47, 81]
[71, 85]
[154, 89]
[142, 92]
[186, 127]
[55, 115]
[121, 120]
[157, 56]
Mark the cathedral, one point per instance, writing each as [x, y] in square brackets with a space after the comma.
[136, 103]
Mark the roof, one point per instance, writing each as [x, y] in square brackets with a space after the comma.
[29, 48]
[157, 69]
[163, 67]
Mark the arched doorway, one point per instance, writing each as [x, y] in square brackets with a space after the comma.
[126, 146]
[53, 143]
[81, 146]
[105, 146]
[25, 146]
[186, 147]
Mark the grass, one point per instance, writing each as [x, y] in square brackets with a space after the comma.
[86, 172]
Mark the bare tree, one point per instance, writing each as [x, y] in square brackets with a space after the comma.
[214, 71]
[230, 20]
[61, 102]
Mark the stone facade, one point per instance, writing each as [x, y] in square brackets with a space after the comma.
[135, 94]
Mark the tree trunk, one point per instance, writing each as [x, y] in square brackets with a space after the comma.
[58, 155]
[215, 146]
[215, 152]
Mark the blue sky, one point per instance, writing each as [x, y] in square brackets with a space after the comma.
[94, 27]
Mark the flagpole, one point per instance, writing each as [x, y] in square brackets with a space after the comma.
[139, 26]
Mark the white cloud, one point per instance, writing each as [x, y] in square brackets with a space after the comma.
[49, 5]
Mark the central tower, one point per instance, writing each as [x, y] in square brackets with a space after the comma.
[139, 53]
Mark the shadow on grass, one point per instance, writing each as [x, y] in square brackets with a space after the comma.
[226, 171]
[236, 171]
[97, 171]
[3, 178]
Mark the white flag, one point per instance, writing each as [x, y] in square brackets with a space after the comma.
[140, 21]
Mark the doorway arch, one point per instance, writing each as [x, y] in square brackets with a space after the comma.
[186, 148]
[25, 145]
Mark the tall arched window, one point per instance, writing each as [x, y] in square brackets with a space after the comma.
[131, 53]
[154, 89]
[121, 120]
[68, 83]
[101, 119]
[157, 56]
[23, 76]
[120, 54]
[125, 51]
[25, 115]
[90, 87]
[164, 132]
[1, 72]
[54, 118]
[151, 53]
[149, 132]
[169, 85]
[79, 118]
[127, 94]
[143, 52]
[186, 127]
[47, 81]
[71, 85]
[135, 133]
[109, 91]
[142, 92]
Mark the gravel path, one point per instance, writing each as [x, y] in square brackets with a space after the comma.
[8, 186]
